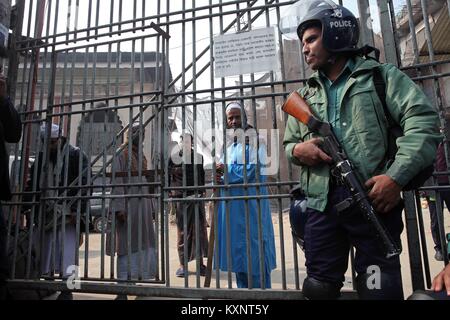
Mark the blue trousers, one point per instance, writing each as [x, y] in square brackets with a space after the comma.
[242, 280]
[329, 236]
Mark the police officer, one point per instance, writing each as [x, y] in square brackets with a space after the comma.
[342, 92]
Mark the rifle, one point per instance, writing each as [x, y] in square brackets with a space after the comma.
[297, 107]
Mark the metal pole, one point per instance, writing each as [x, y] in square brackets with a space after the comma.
[388, 33]
[365, 21]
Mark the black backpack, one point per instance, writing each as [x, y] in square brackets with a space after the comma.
[395, 131]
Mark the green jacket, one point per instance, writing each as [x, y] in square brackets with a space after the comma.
[364, 128]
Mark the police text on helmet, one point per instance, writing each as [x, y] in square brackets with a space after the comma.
[340, 24]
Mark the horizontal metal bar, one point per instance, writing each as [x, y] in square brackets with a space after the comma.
[160, 291]
[236, 87]
[107, 196]
[44, 45]
[424, 65]
[441, 173]
[215, 100]
[234, 185]
[108, 98]
[155, 195]
[278, 196]
[121, 281]
[62, 188]
[436, 188]
[158, 183]
[431, 76]
[56, 114]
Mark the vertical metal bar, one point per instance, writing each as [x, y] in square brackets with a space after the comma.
[65, 159]
[183, 165]
[352, 265]
[27, 136]
[77, 7]
[164, 86]
[140, 207]
[108, 86]
[244, 160]
[440, 221]
[111, 15]
[104, 160]
[278, 175]
[113, 167]
[413, 242]
[78, 213]
[448, 7]
[43, 183]
[423, 239]
[163, 225]
[194, 119]
[86, 116]
[89, 18]
[226, 191]
[89, 181]
[163, 145]
[394, 30]
[120, 15]
[31, 88]
[134, 14]
[412, 30]
[149, 223]
[69, 10]
[387, 32]
[365, 21]
[143, 15]
[213, 228]
[13, 61]
[21, 14]
[182, 205]
[97, 15]
[130, 150]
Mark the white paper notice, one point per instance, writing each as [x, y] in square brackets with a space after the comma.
[247, 52]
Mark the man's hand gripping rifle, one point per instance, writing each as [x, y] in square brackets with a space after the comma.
[297, 107]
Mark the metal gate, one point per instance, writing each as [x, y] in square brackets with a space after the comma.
[98, 68]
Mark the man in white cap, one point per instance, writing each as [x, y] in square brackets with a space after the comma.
[232, 236]
[62, 158]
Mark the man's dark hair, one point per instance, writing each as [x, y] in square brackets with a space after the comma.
[307, 25]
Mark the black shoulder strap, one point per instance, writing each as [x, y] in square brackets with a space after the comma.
[394, 129]
[380, 87]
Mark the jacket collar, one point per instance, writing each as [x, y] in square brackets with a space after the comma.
[362, 65]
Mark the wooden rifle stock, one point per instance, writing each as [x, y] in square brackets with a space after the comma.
[297, 107]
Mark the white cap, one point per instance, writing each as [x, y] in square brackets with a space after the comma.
[233, 105]
[54, 132]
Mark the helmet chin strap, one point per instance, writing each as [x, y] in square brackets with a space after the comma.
[332, 59]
